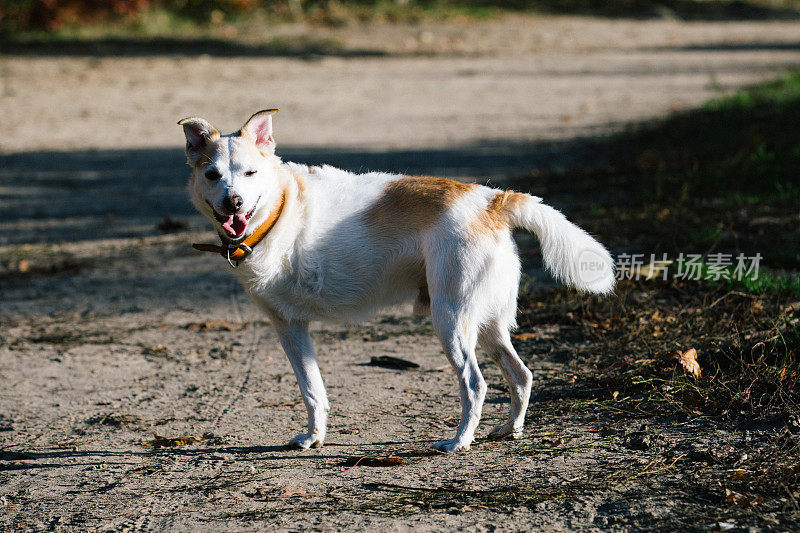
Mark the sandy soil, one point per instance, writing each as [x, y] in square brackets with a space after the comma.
[108, 323]
[584, 77]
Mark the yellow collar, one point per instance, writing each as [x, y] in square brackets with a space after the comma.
[238, 251]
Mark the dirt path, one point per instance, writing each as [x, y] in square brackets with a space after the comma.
[108, 331]
[536, 80]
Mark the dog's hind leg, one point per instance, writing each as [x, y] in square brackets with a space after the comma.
[495, 339]
[296, 343]
[459, 337]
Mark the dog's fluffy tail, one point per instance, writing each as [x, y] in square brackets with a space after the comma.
[572, 255]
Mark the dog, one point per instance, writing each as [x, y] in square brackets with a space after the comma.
[320, 243]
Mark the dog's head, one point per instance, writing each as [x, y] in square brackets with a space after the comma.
[233, 175]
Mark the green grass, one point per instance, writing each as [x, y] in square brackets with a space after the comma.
[744, 144]
[785, 90]
[782, 283]
[756, 281]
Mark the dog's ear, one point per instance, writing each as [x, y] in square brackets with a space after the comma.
[259, 128]
[198, 132]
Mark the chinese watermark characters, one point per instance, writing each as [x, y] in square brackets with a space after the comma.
[691, 267]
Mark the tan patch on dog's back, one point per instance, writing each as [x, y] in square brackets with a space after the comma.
[414, 203]
[496, 215]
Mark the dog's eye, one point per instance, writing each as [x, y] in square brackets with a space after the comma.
[250, 172]
[213, 175]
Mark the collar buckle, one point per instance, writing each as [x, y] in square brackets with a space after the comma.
[232, 248]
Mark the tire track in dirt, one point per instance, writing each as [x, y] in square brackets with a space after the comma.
[251, 351]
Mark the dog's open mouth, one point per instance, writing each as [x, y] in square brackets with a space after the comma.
[234, 225]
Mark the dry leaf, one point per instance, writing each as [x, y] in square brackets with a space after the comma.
[615, 394]
[23, 265]
[290, 491]
[688, 360]
[741, 500]
[159, 441]
[525, 336]
[389, 460]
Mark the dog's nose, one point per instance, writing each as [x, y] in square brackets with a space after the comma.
[232, 203]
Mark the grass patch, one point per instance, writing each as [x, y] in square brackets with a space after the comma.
[781, 283]
[624, 371]
[740, 150]
[745, 145]
[748, 346]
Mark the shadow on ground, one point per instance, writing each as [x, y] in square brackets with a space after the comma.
[648, 9]
[94, 194]
[298, 48]
[142, 47]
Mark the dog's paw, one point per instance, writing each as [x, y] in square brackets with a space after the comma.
[304, 441]
[505, 431]
[451, 445]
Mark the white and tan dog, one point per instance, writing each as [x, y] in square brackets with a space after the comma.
[321, 243]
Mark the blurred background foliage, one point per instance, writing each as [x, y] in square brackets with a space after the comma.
[48, 15]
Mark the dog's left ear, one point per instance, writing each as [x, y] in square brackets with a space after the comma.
[259, 128]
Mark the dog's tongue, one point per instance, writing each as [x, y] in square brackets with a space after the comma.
[235, 225]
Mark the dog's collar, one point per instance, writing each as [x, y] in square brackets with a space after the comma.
[236, 251]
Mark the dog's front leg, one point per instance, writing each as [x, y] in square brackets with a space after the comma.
[297, 344]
